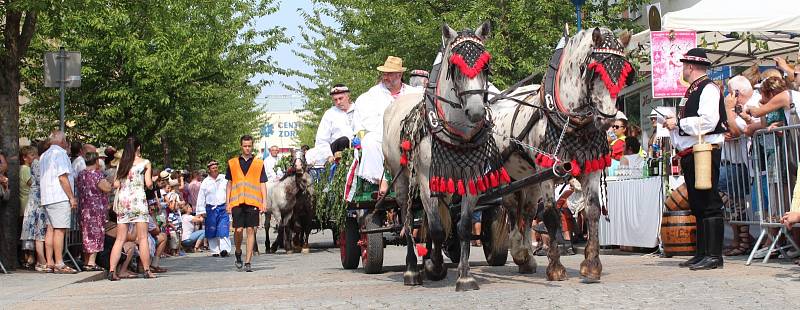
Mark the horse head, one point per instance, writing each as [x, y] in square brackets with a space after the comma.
[300, 166]
[462, 83]
[589, 75]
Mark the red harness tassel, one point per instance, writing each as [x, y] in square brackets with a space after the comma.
[493, 179]
[461, 190]
[442, 185]
[472, 190]
[432, 184]
[576, 169]
[481, 184]
[451, 186]
[608, 160]
[504, 178]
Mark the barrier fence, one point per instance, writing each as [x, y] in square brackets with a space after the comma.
[72, 238]
[757, 180]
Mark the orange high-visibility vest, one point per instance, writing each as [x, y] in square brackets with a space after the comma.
[246, 188]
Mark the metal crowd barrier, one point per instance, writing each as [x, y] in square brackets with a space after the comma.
[775, 157]
[736, 182]
[73, 238]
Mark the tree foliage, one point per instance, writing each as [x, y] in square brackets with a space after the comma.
[175, 73]
[364, 32]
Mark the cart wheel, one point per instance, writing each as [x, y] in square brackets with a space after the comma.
[372, 248]
[348, 244]
[494, 228]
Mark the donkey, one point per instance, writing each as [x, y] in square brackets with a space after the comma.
[563, 121]
[290, 203]
[440, 143]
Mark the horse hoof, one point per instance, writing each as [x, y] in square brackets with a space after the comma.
[526, 266]
[591, 270]
[306, 251]
[412, 278]
[556, 273]
[434, 272]
[466, 284]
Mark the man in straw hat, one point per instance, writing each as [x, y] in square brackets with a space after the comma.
[212, 197]
[368, 119]
[701, 113]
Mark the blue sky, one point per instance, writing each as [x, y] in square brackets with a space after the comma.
[289, 18]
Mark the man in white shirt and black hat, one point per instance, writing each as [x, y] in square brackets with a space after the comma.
[336, 126]
[701, 113]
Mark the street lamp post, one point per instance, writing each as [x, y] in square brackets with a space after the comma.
[578, 4]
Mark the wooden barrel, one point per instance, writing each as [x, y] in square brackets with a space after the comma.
[678, 233]
[678, 199]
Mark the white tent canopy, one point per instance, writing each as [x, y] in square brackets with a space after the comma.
[737, 32]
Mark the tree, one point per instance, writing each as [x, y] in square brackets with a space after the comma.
[175, 73]
[524, 33]
[18, 25]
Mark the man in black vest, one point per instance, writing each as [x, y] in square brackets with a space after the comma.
[701, 112]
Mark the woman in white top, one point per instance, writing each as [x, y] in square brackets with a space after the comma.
[134, 174]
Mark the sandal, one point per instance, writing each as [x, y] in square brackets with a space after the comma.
[112, 276]
[148, 275]
[92, 268]
[157, 269]
[41, 268]
[64, 269]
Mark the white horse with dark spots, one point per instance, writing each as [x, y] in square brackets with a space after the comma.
[439, 144]
[562, 121]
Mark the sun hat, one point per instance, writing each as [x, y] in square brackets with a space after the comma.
[419, 72]
[212, 163]
[392, 64]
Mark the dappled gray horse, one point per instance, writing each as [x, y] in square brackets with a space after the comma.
[563, 121]
[440, 144]
[290, 202]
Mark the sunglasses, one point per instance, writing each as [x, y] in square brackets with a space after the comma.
[616, 126]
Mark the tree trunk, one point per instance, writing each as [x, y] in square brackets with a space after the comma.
[17, 35]
[9, 143]
[167, 157]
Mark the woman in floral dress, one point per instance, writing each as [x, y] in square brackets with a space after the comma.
[93, 189]
[34, 225]
[133, 175]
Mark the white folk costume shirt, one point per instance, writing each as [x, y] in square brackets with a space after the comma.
[54, 163]
[369, 108]
[269, 168]
[212, 191]
[334, 124]
[705, 122]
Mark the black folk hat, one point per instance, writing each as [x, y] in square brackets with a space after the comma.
[696, 56]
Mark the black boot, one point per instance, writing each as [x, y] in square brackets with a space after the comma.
[700, 246]
[714, 232]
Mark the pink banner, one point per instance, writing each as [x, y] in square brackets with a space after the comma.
[666, 50]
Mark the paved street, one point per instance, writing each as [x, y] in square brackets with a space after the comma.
[316, 280]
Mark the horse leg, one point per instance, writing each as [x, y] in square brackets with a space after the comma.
[519, 233]
[411, 276]
[591, 268]
[434, 266]
[465, 280]
[552, 220]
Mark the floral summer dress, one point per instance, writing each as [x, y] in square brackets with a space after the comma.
[93, 210]
[34, 225]
[131, 198]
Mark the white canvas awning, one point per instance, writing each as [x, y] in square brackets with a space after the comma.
[737, 32]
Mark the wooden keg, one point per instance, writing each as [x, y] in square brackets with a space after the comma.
[678, 230]
[678, 199]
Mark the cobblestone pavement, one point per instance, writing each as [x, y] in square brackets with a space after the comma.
[316, 280]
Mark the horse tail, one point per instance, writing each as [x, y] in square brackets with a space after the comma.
[499, 228]
[447, 221]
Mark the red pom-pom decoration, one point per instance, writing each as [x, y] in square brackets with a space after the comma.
[405, 145]
[421, 250]
[493, 179]
[576, 169]
[404, 159]
[433, 185]
[481, 184]
[461, 190]
[451, 186]
[608, 160]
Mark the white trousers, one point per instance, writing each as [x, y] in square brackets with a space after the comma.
[219, 244]
[371, 166]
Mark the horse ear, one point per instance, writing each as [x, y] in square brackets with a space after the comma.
[448, 33]
[597, 37]
[483, 30]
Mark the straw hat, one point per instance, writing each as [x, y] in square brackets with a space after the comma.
[392, 64]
